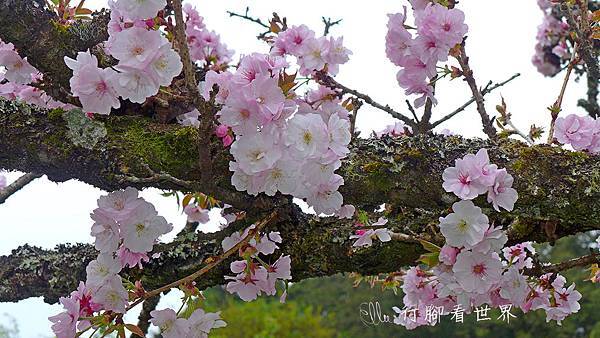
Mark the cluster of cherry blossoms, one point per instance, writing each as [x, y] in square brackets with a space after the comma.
[253, 275]
[438, 30]
[471, 271]
[551, 48]
[146, 59]
[198, 325]
[205, 46]
[473, 175]
[125, 229]
[284, 142]
[16, 77]
[581, 132]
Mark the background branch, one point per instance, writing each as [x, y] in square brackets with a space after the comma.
[17, 185]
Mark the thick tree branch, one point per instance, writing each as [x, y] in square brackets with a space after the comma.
[16, 186]
[554, 185]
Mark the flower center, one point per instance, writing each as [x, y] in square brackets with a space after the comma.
[137, 51]
[307, 137]
[479, 269]
[139, 228]
[462, 226]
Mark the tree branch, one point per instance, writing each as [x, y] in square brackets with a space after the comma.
[328, 81]
[489, 88]
[16, 186]
[463, 60]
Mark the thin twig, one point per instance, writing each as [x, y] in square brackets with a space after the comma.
[328, 24]
[328, 81]
[17, 185]
[216, 261]
[518, 131]
[412, 110]
[183, 49]
[356, 104]
[463, 60]
[248, 17]
[556, 107]
[485, 91]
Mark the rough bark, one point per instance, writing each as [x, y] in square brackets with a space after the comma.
[555, 186]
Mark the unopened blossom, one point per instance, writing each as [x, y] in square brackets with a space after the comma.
[142, 228]
[477, 272]
[200, 323]
[170, 326]
[112, 295]
[18, 70]
[448, 254]
[502, 194]
[466, 226]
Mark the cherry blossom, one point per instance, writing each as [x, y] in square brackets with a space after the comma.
[18, 70]
[140, 9]
[170, 326]
[120, 204]
[142, 228]
[201, 323]
[466, 226]
[463, 179]
[577, 131]
[112, 295]
[100, 270]
[65, 323]
[477, 272]
[501, 194]
[196, 213]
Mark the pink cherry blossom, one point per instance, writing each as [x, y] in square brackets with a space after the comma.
[100, 270]
[201, 323]
[18, 70]
[255, 153]
[463, 179]
[112, 295]
[170, 326]
[65, 323]
[307, 134]
[501, 194]
[196, 213]
[477, 272]
[466, 226]
[119, 204]
[248, 286]
[140, 9]
[293, 40]
[575, 130]
[131, 259]
[142, 228]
